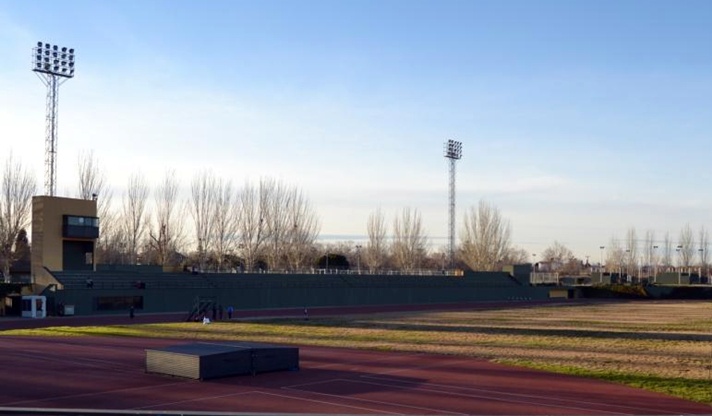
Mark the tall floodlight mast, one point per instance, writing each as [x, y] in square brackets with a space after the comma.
[453, 152]
[53, 65]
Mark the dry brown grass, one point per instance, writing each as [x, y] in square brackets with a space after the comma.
[659, 338]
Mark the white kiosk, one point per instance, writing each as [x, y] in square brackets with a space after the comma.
[34, 306]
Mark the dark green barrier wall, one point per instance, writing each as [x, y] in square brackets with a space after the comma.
[168, 293]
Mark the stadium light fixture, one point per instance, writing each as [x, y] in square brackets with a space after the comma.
[51, 60]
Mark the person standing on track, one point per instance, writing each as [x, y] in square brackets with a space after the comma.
[131, 312]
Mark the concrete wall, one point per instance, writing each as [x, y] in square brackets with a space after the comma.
[672, 278]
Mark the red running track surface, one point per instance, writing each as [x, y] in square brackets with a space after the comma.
[109, 373]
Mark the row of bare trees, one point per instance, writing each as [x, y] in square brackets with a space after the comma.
[691, 249]
[406, 250]
[485, 241]
[272, 224]
[267, 223]
[270, 221]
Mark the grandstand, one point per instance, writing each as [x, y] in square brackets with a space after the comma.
[150, 290]
[66, 273]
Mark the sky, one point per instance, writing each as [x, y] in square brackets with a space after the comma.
[579, 119]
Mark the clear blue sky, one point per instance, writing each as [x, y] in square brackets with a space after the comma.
[579, 119]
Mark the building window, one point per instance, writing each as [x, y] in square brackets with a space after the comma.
[74, 226]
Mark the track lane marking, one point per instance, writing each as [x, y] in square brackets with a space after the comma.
[530, 396]
[489, 397]
[193, 400]
[103, 392]
[391, 404]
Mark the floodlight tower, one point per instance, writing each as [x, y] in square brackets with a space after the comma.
[53, 65]
[453, 152]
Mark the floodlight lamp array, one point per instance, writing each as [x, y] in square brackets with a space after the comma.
[453, 149]
[53, 60]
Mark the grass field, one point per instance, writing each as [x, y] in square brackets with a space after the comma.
[663, 346]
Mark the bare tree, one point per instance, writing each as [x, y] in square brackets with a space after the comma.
[276, 219]
[252, 230]
[377, 247]
[92, 180]
[704, 240]
[304, 229]
[204, 194]
[134, 215]
[485, 238]
[166, 233]
[225, 220]
[516, 255]
[114, 244]
[667, 251]
[557, 253]
[631, 251]
[615, 256]
[686, 246]
[561, 257]
[649, 252]
[18, 186]
[409, 240]
[92, 185]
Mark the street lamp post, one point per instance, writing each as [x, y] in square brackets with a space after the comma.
[358, 258]
[679, 265]
[655, 262]
[600, 265]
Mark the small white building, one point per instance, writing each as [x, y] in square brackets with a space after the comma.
[34, 306]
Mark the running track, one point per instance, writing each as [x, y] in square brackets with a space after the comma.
[108, 373]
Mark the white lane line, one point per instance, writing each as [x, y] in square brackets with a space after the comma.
[202, 399]
[199, 399]
[449, 388]
[80, 362]
[489, 397]
[97, 393]
[379, 411]
[392, 404]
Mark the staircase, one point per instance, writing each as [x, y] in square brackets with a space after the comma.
[202, 305]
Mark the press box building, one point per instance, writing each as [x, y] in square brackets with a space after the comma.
[64, 233]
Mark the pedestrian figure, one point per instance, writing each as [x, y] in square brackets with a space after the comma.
[229, 312]
[306, 314]
[131, 311]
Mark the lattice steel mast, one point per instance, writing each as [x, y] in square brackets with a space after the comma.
[53, 65]
[453, 152]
